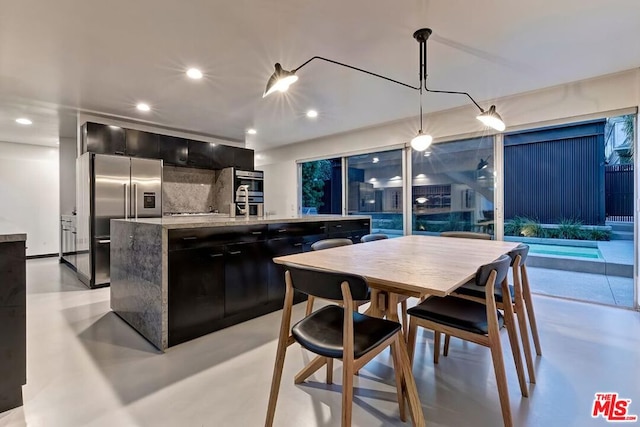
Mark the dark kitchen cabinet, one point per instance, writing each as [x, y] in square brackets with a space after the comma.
[142, 144]
[103, 139]
[222, 156]
[280, 247]
[107, 139]
[13, 333]
[221, 276]
[196, 293]
[173, 150]
[243, 159]
[246, 281]
[200, 154]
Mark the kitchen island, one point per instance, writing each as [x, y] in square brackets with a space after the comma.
[13, 312]
[177, 278]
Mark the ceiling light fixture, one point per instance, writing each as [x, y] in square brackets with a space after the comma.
[482, 164]
[194, 73]
[24, 121]
[143, 107]
[312, 114]
[252, 131]
[375, 160]
[281, 79]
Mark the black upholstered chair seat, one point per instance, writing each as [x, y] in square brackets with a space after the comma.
[471, 289]
[455, 312]
[321, 332]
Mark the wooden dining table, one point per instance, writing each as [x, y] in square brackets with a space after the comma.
[409, 266]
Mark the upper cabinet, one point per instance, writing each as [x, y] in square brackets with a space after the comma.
[175, 151]
[142, 144]
[200, 154]
[103, 139]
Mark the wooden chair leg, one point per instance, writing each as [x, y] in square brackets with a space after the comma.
[411, 340]
[524, 337]
[415, 407]
[397, 368]
[528, 301]
[515, 347]
[501, 379]
[329, 370]
[436, 346]
[445, 351]
[310, 301]
[283, 342]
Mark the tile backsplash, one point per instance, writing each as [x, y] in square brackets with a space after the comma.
[187, 190]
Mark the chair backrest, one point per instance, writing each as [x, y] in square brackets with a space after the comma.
[330, 243]
[327, 284]
[501, 266]
[466, 235]
[522, 250]
[371, 237]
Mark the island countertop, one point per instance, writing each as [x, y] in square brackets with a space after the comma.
[181, 222]
[11, 233]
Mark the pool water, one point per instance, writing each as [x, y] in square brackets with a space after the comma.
[573, 251]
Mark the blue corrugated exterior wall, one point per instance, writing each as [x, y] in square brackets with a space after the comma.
[556, 173]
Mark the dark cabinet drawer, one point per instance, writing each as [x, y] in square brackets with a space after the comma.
[292, 229]
[142, 144]
[173, 150]
[103, 139]
[202, 237]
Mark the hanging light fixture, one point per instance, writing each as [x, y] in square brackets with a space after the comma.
[281, 79]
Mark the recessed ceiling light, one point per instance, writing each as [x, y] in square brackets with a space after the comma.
[252, 131]
[194, 73]
[375, 160]
[143, 107]
[24, 121]
[421, 175]
[312, 114]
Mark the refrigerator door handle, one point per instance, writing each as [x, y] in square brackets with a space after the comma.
[135, 199]
[126, 202]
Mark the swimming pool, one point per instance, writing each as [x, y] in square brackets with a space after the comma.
[572, 251]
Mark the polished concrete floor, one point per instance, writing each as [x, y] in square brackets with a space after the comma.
[86, 367]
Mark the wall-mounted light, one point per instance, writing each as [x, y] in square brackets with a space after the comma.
[281, 79]
[421, 200]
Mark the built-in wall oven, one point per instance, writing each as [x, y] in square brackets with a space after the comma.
[254, 182]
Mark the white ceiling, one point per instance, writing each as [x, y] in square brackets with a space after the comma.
[58, 57]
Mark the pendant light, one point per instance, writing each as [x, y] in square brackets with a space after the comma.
[281, 79]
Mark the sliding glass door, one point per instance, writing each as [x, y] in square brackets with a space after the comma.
[453, 187]
[374, 187]
[321, 184]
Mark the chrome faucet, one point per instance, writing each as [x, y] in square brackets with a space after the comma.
[243, 191]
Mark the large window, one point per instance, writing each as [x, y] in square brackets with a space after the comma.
[452, 187]
[374, 187]
[322, 187]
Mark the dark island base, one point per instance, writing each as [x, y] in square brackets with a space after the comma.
[10, 396]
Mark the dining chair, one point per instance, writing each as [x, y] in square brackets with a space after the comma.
[521, 302]
[476, 322]
[466, 235]
[327, 244]
[338, 332]
[373, 237]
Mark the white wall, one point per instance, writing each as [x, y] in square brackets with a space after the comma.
[577, 99]
[29, 196]
[67, 164]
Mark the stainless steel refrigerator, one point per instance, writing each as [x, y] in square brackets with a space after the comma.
[110, 187]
